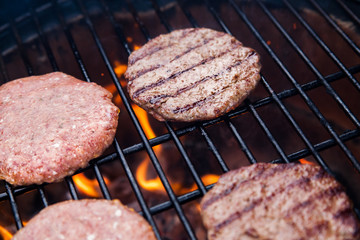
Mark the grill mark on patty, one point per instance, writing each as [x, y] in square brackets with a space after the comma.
[330, 192]
[260, 175]
[259, 200]
[161, 81]
[156, 99]
[346, 217]
[158, 48]
[206, 41]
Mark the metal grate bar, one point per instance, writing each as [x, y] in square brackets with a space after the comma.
[161, 16]
[323, 145]
[348, 10]
[99, 177]
[44, 40]
[230, 125]
[182, 151]
[296, 126]
[195, 175]
[187, 14]
[30, 72]
[25, 59]
[102, 184]
[13, 205]
[175, 138]
[328, 87]
[308, 101]
[336, 27]
[247, 102]
[75, 51]
[143, 137]
[188, 197]
[55, 67]
[323, 45]
[240, 141]
[72, 189]
[216, 153]
[134, 185]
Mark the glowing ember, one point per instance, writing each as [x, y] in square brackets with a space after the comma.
[304, 161]
[5, 234]
[87, 186]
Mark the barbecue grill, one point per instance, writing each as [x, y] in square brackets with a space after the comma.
[304, 109]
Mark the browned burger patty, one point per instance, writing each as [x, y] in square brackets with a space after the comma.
[88, 220]
[191, 74]
[51, 125]
[278, 201]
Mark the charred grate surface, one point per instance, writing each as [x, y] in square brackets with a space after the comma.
[290, 38]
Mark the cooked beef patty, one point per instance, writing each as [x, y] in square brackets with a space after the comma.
[51, 125]
[87, 219]
[278, 201]
[191, 74]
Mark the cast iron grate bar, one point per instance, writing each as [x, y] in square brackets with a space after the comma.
[212, 147]
[44, 40]
[161, 16]
[30, 71]
[328, 87]
[55, 67]
[195, 175]
[336, 27]
[72, 189]
[146, 144]
[348, 10]
[308, 101]
[98, 174]
[349, 135]
[322, 44]
[14, 207]
[247, 101]
[143, 137]
[240, 141]
[189, 164]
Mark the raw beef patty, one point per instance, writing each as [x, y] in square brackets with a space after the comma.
[52, 125]
[191, 74]
[278, 201]
[87, 219]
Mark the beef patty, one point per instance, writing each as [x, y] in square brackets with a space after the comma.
[191, 74]
[51, 125]
[278, 201]
[87, 219]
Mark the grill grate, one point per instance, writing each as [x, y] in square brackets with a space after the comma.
[173, 133]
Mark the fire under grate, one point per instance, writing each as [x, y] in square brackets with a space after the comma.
[305, 108]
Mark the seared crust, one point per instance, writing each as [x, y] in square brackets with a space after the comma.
[278, 201]
[87, 219]
[191, 74]
[52, 125]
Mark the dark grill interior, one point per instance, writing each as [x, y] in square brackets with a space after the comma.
[305, 107]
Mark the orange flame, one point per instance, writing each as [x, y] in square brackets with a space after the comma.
[5, 234]
[155, 184]
[206, 179]
[304, 161]
[148, 184]
[136, 47]
[87, 186]
[119, 69]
